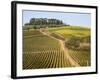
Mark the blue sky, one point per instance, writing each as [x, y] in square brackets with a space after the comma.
[76, 19]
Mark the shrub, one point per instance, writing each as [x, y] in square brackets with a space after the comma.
[72, 43]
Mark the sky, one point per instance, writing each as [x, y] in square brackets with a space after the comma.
[75, 19]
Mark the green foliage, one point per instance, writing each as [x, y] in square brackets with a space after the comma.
[72, 43]
[87, 39]
[44, 22]
[28, 28]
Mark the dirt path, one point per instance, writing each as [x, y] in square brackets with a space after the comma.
[68, 57]
[73, 63]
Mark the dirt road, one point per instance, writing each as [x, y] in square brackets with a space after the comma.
[73, 63]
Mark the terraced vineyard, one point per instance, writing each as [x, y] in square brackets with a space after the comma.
[41, 51]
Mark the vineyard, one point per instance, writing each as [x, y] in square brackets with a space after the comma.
[41, 51]
[76, 35]
[45, 59]
[44, 51]
[82, 57]
[39, 42]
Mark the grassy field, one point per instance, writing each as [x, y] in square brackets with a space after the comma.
[43, 51]
[70, 31]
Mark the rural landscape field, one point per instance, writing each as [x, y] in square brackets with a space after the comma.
[50, 43]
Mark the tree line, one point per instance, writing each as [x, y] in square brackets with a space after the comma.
[46, 22]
